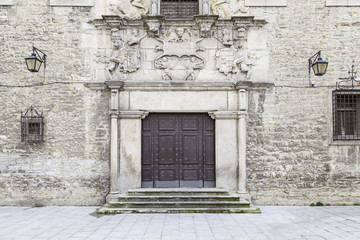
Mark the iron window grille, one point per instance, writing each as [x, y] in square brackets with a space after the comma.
[179, 9]
[32, 126]
[346, 114]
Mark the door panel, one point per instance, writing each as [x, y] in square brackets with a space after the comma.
[178, 150]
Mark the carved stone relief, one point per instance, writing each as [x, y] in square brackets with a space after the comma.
[125, 57]
[228, 8]
[234, 61]
[131, 9]
[179, 67]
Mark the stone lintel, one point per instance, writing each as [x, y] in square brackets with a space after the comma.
[342, 3]
[266, 3]
[6, 2]
[133, 114]
[114, 84]
[178, 86]
[72, 3]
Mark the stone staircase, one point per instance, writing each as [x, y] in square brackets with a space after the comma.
[178, 200]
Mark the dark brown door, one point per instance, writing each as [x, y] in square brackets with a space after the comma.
[178, 150]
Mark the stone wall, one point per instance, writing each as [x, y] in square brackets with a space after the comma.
[291, 157]
[71, 166]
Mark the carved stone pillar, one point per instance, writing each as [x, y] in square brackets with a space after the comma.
[242, 114]
[114, 144]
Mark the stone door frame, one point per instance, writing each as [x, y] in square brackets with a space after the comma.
[230, 134]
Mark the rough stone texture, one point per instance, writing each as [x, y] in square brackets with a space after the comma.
[291, 158]
[71, 166]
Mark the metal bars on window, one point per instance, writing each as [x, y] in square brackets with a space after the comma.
[179, 9]
[346, 114]
[32, 125]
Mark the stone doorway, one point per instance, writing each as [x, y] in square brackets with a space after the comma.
[178, 150]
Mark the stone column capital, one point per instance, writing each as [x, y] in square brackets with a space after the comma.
[224, 115]
[114, 85]
[133, 114]
[242, 114]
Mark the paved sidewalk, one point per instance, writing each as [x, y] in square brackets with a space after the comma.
[312, 223]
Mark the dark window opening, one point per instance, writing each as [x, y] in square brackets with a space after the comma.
[346, 114]
[32, 126]
[179, 9]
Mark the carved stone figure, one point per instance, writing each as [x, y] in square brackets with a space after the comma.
[178, 35]
[241, 33]
[132, 9]
[228, 8]
[171, 63]
[191, 64]
[115, 63]
[226, 39]
[218, 7]
[205, 23]
[154, 27]
[224, 60]
[133, 38]
[245, 63]
[240, 7]
[232, 61]
[123, 60]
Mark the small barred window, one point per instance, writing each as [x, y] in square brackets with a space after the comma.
[179, 9]
[346, 114]
[32, 125]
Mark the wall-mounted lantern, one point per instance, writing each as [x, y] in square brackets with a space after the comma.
[318, 65]
[33, 62]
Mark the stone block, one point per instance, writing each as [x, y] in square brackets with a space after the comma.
[72, 3]
[6, 2]
[340, 3]
[178, 101]
[266, 3]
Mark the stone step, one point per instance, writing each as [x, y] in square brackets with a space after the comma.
[177, 191]
[105, 210]
[222, 204]
[178, 198]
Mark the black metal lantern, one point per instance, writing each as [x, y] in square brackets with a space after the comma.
[318, 65]
[33, 62]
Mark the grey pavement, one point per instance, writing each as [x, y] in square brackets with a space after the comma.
[311, 223]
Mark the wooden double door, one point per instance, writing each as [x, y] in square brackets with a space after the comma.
[178, 150]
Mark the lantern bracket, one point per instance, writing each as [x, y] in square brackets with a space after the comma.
[41, 57]
[314, 59]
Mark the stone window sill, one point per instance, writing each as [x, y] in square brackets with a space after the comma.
[266, 3]
[6, 2]
[345, 143]
[72, 3]
[342, 3]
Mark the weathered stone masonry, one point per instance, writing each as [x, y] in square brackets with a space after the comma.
[290, 155]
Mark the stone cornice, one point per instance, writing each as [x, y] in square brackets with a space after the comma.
[115, 21]
[178, 86]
